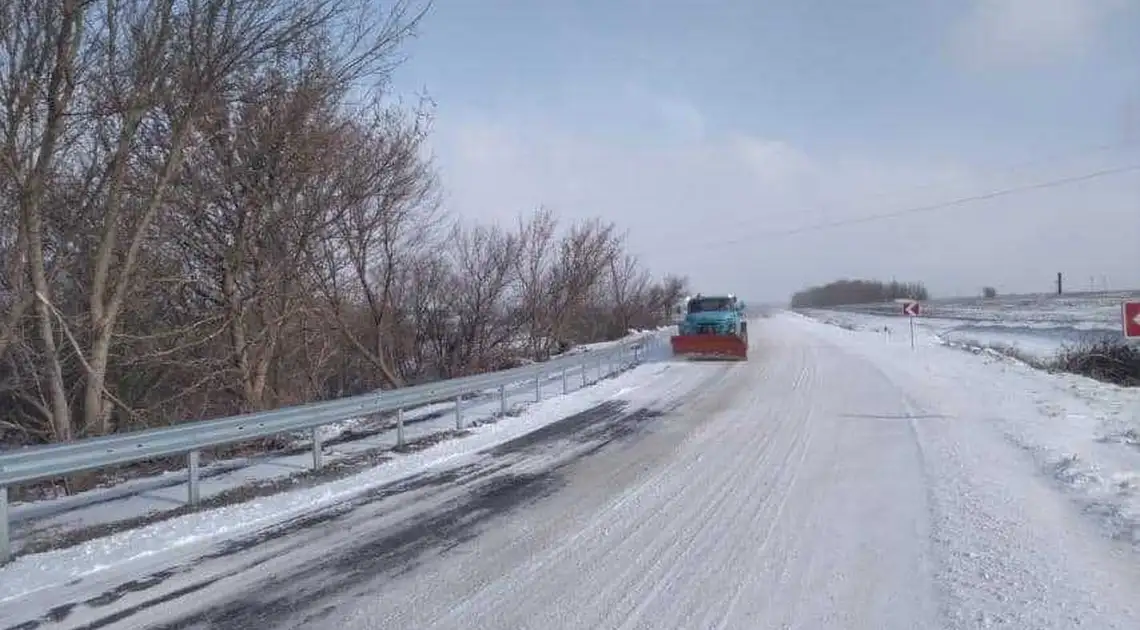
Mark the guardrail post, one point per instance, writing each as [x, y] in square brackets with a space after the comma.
[399, 428]
[5, 541]
[318, 460]
[538, 388]
[503, 399]
[458, 413]
[194, 492]
[565, 387]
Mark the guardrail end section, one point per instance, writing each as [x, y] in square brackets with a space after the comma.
[5, 539]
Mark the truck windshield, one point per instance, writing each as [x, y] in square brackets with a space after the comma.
[704, 305]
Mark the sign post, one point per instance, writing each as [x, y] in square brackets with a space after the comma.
[911, 310]
[1130, 319]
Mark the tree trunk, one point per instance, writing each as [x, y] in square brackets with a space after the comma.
[45, 316]
[57, 98]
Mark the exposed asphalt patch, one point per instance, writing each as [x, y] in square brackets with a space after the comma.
[409, 484]
[158, 601]
[602, 423]
[493, 492]
[430, 440]
[580, 425]
[416, 482]
[133, 586]
[390, 551]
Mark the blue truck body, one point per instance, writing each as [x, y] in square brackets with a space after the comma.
[714, 326]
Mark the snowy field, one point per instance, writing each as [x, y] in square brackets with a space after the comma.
[1032, 327]
[358, 443]
[837, 479]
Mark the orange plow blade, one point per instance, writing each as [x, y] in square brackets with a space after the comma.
[710, 347]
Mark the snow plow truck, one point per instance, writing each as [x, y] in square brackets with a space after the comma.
[713, 327]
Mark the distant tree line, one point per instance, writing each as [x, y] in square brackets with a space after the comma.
[843, 292]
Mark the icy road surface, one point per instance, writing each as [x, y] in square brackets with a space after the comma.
[821, 485]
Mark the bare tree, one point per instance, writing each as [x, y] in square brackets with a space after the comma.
[386, 213]
[423, 323]
[165, 66]
[39, 77]
[585, 254]
[534, 266]
[483, 259]
[628, 284]
[249, 213]
[102, 103]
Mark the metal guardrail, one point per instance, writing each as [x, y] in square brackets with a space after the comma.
[36, 463]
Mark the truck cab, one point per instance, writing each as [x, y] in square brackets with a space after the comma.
[713, 314]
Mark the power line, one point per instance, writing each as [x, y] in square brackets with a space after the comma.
[1055, 183]
[1008, 169]
[1084, 151]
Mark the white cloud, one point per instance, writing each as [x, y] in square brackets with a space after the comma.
[682, 119]
[675, 119]
[772, 161]
[1025, 32]
[715, 209]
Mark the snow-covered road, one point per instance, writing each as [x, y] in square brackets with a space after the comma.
[828, 483]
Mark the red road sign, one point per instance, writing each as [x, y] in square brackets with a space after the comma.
[912, 309]
[1131, 317]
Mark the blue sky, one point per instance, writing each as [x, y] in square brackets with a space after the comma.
[708, 122]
